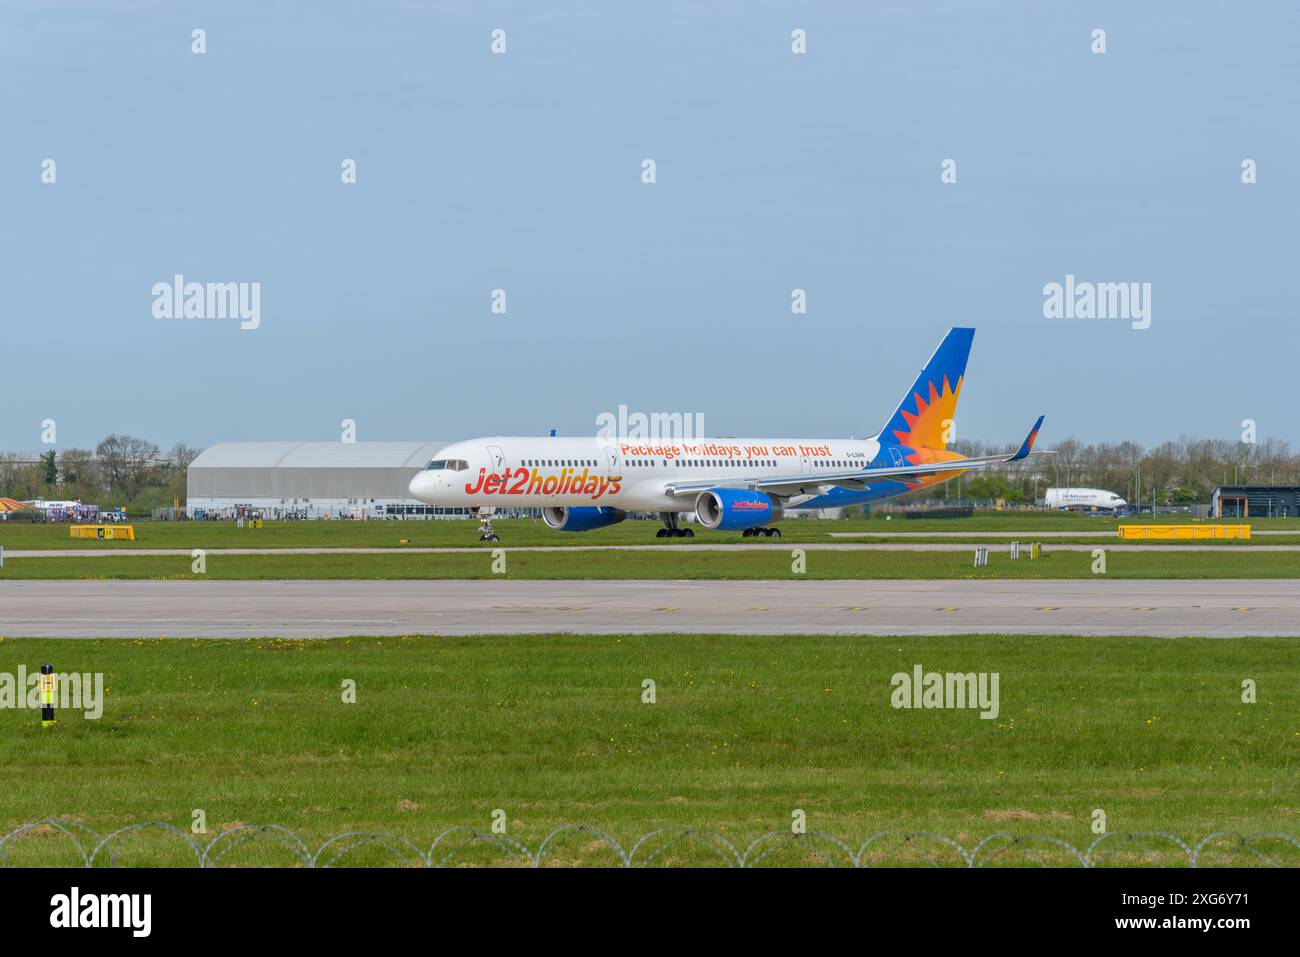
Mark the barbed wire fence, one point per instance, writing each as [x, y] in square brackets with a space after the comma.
[668, 846]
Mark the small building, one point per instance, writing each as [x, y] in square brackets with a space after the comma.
[282, 480]
[1255, 501]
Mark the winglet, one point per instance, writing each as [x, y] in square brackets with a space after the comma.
[1028, 444]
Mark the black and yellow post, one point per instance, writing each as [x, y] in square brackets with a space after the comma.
[47, 696]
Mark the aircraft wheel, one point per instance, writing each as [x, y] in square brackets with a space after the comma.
[774, 532]
[660, 533]
[688, 533]
[747, 533]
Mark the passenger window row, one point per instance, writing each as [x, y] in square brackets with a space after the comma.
[559, 463]
[725, 463]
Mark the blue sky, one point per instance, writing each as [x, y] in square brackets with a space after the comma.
[522, 172]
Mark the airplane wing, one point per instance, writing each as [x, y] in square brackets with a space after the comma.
[857, 479]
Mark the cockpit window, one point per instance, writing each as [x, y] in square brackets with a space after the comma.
[457, 465]
[454, 465]
[436, 465]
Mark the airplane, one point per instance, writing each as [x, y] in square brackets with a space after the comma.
[1066, 499]
[729, 484]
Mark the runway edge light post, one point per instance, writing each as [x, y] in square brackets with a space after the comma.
[47, 696]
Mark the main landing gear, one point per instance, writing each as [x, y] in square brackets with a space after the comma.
[761, 533]
[485, 533]
[670, 529]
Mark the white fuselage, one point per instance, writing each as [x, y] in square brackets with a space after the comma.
[625, 473]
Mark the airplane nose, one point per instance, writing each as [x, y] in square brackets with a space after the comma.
[423, 486]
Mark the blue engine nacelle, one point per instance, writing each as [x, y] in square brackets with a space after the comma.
[582, 519]
[733, 509]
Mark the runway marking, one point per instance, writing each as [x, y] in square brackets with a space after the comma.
[667, 609]
[528, 608]
[950, 608]
[1050, 608]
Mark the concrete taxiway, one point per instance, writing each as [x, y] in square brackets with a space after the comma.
[240, 609]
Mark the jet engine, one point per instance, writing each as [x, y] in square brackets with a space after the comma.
[732, 509]
[583, 518]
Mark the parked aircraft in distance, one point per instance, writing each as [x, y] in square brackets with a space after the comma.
[42, 505]
[729, 484]
[1083, 498]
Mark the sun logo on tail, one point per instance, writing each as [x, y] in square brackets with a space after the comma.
[930, 426]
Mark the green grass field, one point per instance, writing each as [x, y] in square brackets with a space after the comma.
[744, 731]
[653, 564]
[521, 532]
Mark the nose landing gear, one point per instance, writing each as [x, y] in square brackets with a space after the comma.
[485, 533]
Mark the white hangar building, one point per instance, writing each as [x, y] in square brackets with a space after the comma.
[310, 480]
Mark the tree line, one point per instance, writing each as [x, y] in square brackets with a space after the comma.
[122, 470]
[1181, 472]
